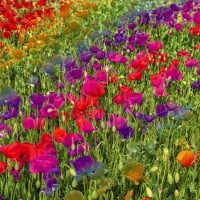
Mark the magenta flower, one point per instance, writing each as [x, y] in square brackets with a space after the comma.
[48, 111]
[56, 99]
[72, 139]
[173, 73]
[92, 88]
[190, 62]
[29, 123]
[154, 46]
[116, 58]
[42, 164]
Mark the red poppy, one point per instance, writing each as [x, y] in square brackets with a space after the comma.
[20, 152]
[135, 76]
[3, 167]
[59, 134]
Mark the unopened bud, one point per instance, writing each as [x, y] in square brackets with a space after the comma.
[170, 179]
[176, 193]
[176, 177]
[166, 151]
[149, 192]
[154, 169]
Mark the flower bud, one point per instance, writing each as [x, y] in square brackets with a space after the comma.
[166, 151]
[154, 169]
[170, 179]
[149, 192]
[176, 193]
[37, 184]
[176, 177]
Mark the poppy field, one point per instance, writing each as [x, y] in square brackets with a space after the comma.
[99, 100]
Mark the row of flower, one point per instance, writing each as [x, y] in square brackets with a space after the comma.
[107, 89]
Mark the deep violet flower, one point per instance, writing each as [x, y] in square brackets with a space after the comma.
[86, 165]
[141, 38]
[195, 85]
[37, 100]
[126, 132]
[161, 110]
[85, 56]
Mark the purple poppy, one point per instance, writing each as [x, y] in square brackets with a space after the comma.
[37, 100]
[195, 85]
[86, 165]
[139, 115]
[126, 132]
[72, 139]
[69, 63]
[141, 38]
[56, 99]
[85, 56]
[173, 73]
[149, 118]
[161, 110]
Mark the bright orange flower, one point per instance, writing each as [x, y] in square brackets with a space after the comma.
[64, 9]
[134, 172]
[129, 195]
[185, 158]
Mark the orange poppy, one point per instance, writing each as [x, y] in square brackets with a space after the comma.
[186, 158]
[64, 9]
[129, 195]
[134, 172]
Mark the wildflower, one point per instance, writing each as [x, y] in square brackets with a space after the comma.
[154, 46]
[186, 158]
[195, 85]
[161, 110]
[129, 195]
[84, 125]
[3, 167]
[116, 58]
[92, 88]
[86, 165]
[59, 135]
[5, 129]
[134, 172]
